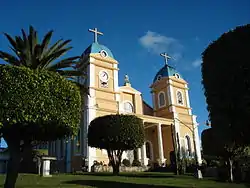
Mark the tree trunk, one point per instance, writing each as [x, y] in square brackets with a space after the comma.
[13, 164]
[230, 168]
[115, 160]
[116, 169]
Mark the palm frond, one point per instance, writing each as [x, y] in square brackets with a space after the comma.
[71, 73]
[11, 40]
[21, 51]
[47, 60]
[32, 39]
[68, 62]
[9, 58]
[61, 46]
[46, 41]
[51, 49]
[24, 35]
[26, 50]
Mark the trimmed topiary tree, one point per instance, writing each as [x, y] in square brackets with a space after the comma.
[116, 134]
[227, 95]
[35, 106]
[226, 81]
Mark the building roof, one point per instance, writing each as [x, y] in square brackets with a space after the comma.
[166, 71]
[97, 48]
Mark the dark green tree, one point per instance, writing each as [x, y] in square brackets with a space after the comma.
[29, 52]
[118, 134]
[215, 145]
[35, 105]
[226, 81]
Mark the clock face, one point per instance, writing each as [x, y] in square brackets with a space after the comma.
[103, 53]
[104, 77]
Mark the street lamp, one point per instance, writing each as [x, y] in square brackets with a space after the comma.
[198, 171]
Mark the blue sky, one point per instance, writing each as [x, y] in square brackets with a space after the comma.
[136, 32]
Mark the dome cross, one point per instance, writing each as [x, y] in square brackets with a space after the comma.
[96, 33]
[166, 57]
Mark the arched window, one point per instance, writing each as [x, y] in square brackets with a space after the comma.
[188, 145]
[161, 98]
[128, 107]
[159, 77]
[179, 98]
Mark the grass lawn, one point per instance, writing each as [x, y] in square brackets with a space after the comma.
[125, 180]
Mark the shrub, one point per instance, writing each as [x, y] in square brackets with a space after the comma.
[126, 162]
[136, 163]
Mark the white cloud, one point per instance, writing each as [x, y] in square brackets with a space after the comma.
[157, 43]
[196, 63]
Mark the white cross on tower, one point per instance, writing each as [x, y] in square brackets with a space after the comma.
[166, 57]
[96, 33]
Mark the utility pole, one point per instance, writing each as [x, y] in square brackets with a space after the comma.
[198, 170]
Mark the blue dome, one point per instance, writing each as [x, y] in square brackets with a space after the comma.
[166, 71]
[96, 48]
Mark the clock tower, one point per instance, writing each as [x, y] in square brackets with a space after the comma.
[102, 82]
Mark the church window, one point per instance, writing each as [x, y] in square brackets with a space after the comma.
[159, 77]
[176, 75]
[188, 145]
[103, 53]
[128, 107]
[161, 99]
[179, 98]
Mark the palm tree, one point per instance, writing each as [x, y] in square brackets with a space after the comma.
[30, 53]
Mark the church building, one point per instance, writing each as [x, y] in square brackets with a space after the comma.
[168, 124]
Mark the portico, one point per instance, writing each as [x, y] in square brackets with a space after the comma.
[158, 144]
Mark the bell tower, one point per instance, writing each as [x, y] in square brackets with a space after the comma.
[102, 84]
[169, 92]
[171, 100]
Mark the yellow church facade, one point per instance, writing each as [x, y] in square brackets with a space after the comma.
[168, 121]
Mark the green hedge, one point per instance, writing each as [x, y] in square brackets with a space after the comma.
[37, 105]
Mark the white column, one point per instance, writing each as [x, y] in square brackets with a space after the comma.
[187, 99]
[160, 145]
[197, 146]
[90, 111]
[116, 86]
[139, 154]
[171, 96]
[144, 159]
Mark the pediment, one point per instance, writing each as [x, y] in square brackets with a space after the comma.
[129, 89]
